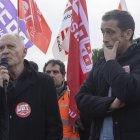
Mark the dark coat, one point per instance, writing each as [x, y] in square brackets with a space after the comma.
[93, 101]
[33, 108]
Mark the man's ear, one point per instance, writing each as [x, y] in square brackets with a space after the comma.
[128, 34]
[24, 52]
[64, 76]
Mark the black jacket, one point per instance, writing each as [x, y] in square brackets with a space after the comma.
[33, 108]
[93, 101]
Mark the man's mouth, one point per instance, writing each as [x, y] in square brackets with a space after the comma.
[109, 47]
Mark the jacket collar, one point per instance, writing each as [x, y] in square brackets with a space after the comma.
[25, 80]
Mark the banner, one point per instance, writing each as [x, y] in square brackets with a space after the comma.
[61, 46]
[37, 28]
[10, 23]
[80, 54]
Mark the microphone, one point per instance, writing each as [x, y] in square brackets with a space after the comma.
[4, 62]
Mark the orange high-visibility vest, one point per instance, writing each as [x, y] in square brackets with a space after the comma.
[69, 132]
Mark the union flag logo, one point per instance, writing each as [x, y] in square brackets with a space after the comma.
[23, 110]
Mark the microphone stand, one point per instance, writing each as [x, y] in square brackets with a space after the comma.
[5, 86]
[6, 113]
[5, 120]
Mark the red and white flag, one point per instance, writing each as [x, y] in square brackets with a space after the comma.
[122, 5]
[37, 28]
[80, 54]
[61, 46]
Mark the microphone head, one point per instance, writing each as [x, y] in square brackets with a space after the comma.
[4, 62]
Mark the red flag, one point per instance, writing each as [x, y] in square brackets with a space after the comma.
[122, 5]
[37, 28]
[80, 55]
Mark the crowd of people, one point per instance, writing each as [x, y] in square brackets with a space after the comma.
[35, 105]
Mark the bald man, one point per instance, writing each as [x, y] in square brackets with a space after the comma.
[32, 108]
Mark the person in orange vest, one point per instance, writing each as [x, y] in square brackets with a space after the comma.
[56, 69]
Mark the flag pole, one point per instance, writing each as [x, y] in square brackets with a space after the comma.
[18, 17]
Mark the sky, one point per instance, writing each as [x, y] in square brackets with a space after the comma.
[53, 10]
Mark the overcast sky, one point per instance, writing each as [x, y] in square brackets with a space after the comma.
[53, 13]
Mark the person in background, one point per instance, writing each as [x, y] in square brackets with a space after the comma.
[110, 96]
[33, 112]
[34, 65]
[56, 69]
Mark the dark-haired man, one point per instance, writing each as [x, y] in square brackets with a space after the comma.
[56, 69]
[111, 93]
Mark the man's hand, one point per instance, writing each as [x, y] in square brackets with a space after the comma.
[116, 104]
[4, 75]
[110, 53]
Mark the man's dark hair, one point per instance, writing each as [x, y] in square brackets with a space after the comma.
[34, 65]
[124, 18]
[56, 62]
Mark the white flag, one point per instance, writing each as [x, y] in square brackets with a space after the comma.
[122, 5]
[61, 46]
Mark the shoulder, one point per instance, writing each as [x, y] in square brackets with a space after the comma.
[134, 53]
[44, 79]
[43, 76]
[98, 64]
[46, 84]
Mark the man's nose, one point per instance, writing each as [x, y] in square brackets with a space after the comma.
[5, 49]
[106, 38]
[51, 74]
